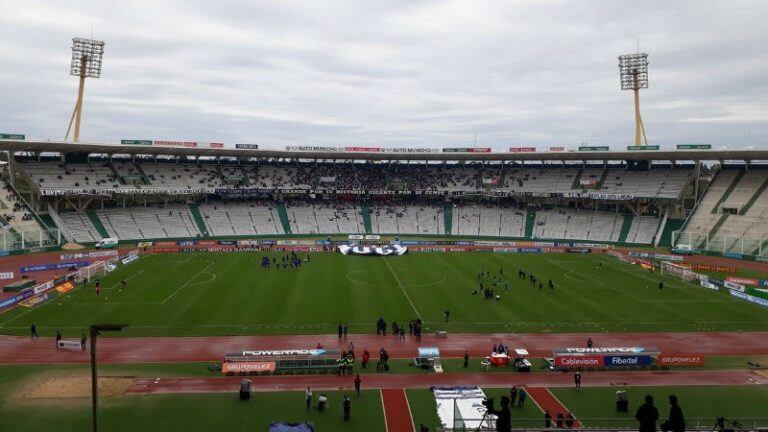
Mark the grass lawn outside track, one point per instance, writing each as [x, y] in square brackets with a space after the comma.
[230, 294]
[700, 404]
[19, 412]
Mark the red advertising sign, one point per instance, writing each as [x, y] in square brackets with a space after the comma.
[216, 145]
[680, 360]
[522, 149]
[743, 281]
[363, 149]
[591, 361]
[65, 287]
[248, 367]
[557, 149]
[177, 143]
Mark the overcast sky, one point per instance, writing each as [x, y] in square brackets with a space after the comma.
[389, 72]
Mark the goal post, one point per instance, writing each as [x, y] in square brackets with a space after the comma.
[679, 271]
[97, 269]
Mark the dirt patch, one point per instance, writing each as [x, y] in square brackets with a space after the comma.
[75, 387]
[72, 246]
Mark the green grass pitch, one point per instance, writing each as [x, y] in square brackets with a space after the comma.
[218, 294]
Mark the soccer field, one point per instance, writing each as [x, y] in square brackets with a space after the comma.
[218, 294]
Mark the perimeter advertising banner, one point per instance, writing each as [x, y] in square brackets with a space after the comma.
[681, 360]
[570, 361]
[743, 281]
[175, 143]
[248, 367]
[467, 150]
[522, 149]
[587, 358]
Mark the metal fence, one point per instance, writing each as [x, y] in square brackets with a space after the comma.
[18, 240]
[746, 245]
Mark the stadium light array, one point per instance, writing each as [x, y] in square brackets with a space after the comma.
[87, 57]
[633, 75]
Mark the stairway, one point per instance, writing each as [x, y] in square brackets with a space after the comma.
[602, 179]
[764, 247]
[246, 177]
[283, 213]
[144, 176]
[577, 179]
[365, 210]
[715, 229]
[97, 223]
[728, 191]
[671, 226]
[530, 221]
[754, 197]
[195, 210]
[625, 227]
[448, 218]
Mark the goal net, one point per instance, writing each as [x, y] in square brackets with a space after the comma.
[97, 269]
[679, 271]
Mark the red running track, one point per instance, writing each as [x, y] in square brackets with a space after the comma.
[396, 410]
[20, 350]
[548, 402]
[406, 381]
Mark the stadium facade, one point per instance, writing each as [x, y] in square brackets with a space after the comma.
[711, 200]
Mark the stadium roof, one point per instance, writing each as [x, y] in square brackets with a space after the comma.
[186, 148]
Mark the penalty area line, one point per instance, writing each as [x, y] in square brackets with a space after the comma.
[402, 288]
[187, 282]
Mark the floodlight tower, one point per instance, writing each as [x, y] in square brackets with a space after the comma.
[86, 63]
[633, 73]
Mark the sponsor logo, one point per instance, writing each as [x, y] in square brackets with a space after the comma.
[176, 143]
[605, 350]
[734, 286]
[34, 301]
[250, 146]
[286, 352]
[248, 367]
[467, 150]
[363, 149]
[216, 145]
[709, 285]
[579, 361]
[522, 149]
[6, 275]
[557, 149]
[743, 281]
[42, 287]
[312, 148]
[129, 259]
[680, 360]
[627, 360]
[750, 298]
[94, 254]
[69, 344]
[65, 287]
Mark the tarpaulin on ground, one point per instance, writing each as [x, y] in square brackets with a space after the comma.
[461, 408]
[346, 249]
[291, 427]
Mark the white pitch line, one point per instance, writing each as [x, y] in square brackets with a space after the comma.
[402, 288]
[187, 282]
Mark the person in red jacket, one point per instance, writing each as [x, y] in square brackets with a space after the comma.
[366, 358]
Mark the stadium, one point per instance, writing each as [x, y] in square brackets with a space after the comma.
[165, 284]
